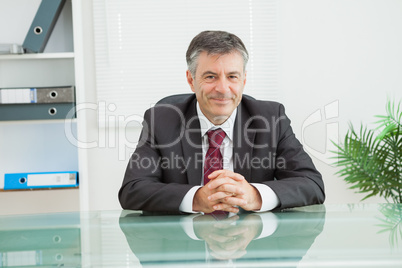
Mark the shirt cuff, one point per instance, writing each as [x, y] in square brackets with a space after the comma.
[187, 223]
[269, 224]
[268, 197]
[186, 204]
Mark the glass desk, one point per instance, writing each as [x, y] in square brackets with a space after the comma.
[357, 235]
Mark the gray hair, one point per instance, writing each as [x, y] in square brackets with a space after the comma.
[215, 43]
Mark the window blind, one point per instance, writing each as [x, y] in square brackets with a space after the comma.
[140, 48]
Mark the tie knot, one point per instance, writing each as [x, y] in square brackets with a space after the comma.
[216, 137]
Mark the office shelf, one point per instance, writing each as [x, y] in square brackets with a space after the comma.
[38, 145]
[36, 56]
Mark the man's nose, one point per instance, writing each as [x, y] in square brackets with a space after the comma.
[222, 85]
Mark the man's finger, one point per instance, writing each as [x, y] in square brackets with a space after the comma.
[217, 173]
[225, 207]
[213, 184]
[230, 205]
[225, 173]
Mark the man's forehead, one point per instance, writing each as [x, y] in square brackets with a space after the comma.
[233, 53]
[233, 61]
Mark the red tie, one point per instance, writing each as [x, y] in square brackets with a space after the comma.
[213, 158]
[213, 161]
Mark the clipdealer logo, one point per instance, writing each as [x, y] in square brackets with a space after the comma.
[111, 128]
[328, 116]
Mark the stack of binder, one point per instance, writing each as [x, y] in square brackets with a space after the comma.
[37, 103]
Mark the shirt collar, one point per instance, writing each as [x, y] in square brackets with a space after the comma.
[206, 125]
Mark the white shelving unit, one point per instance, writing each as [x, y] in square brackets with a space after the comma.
[37, 145]
[59, 55]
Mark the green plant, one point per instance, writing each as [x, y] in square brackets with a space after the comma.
[392, 222]
[371, 160]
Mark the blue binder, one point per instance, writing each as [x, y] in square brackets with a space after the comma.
[18, 181]
[42, 25]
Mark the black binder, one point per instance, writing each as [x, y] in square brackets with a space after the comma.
[37, 111]
[42, 25]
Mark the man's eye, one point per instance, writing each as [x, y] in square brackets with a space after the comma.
[210, 77]
[233, 77]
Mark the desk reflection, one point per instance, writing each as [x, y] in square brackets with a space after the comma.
[52, 240]
[283, 237]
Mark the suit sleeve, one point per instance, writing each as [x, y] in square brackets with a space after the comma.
[297, 181]
[146, 186]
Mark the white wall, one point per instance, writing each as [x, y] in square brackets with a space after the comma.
[347, 52]
[343, 55]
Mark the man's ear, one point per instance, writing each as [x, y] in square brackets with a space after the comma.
[245, 78]
[190, 80]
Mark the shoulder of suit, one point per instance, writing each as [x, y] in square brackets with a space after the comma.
[183, 104]
[255, 106]
[168, 115]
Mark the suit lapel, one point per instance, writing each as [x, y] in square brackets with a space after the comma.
[191, 146]
[242, 143]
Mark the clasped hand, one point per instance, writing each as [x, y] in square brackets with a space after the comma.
[226, 191]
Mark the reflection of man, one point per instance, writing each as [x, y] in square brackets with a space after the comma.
[262, 165]
[229, 238]
[283, 237]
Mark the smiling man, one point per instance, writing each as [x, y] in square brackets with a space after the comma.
[218, 84]
[218, 150]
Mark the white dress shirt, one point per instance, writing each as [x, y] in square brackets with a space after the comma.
[268, 196]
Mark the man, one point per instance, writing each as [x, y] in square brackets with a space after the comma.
[261, 164]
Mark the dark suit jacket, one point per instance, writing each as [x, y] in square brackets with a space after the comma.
[168, 159]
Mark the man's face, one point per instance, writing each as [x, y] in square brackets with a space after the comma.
[218, 84]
